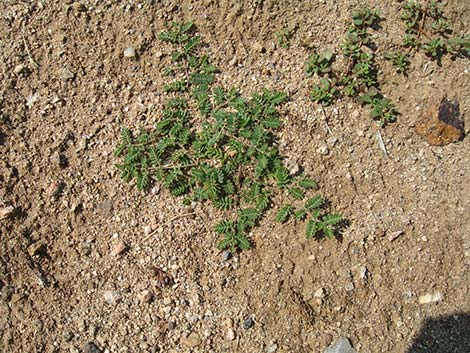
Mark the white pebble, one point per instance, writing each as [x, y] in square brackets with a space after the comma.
[129, 52]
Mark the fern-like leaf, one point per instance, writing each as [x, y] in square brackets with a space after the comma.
[284, 213]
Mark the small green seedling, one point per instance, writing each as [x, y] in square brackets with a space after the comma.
[318, 223]
[400, 61]
[435, 48]
[323, 93]
[382, 108]
[319, 63]
[283, 38]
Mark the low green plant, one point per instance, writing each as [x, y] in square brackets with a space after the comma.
[382, 109]
[323, 93]
[401, 61]
[227, 156]
[318, 222]
[319, 63]
[361, 74]
[283, 38]
[430, 22]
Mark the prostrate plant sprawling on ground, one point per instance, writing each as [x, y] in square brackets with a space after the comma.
[427, 29]
[360, 78]
[226, 154]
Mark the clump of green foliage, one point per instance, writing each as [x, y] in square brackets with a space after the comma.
[428, 21]
[226, 155]
[401, 61]
[283, 38]
[361, 73]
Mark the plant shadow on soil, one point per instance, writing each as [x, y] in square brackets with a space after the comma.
[444, 334]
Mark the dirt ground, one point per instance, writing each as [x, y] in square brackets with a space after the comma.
[66, 90]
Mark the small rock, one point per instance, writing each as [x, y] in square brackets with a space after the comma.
[119, 249]
[271, 348]
[320, 293]
[248, 323]
[323, 150]
[226, 255]
[349, 286]
[37, 248]
[193, 340]
[326, 339]
[129, 52]
[67, 75]
[18, 69]
[363, 272]
[342, 345]
[394, 235]
[430, 298]
[145, 296]
[90, 347]
[5, 212]
[112, 297]
[258, 48]
[230, 335]
[440, 124]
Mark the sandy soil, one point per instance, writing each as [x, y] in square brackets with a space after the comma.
[66, 90]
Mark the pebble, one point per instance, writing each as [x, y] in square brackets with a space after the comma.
[226, 255]
[394, 235]
[67, 75]
[248, 323]
[326, 339]
[230, 335]
[323, 150]
[271, 348]
[430, 298]
[320, 293]
[191, 341]
[18, 69]
[349, 286]
[145, 296]
[6, 211]
[37, 249]
[363, 272]
[90, 347]
[342, 345]
[112, 297]
[119, 249]
[129, 52]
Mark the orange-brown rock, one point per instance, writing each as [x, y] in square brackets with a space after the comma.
[440, 124]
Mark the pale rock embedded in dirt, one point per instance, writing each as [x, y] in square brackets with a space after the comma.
[230, 334]
[191, 341]
[342, 345]
[119, 248]
[271, 348]
[129, 52]
[430, 298]
[145, 296]
[5, 212]
[323, 150]
[349, 286]
[319, 293]
[112, 297]
[18, 69]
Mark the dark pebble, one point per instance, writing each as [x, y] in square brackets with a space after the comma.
[90, 347]
[248, 323]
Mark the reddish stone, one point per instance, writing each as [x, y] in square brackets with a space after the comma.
[440, 124]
